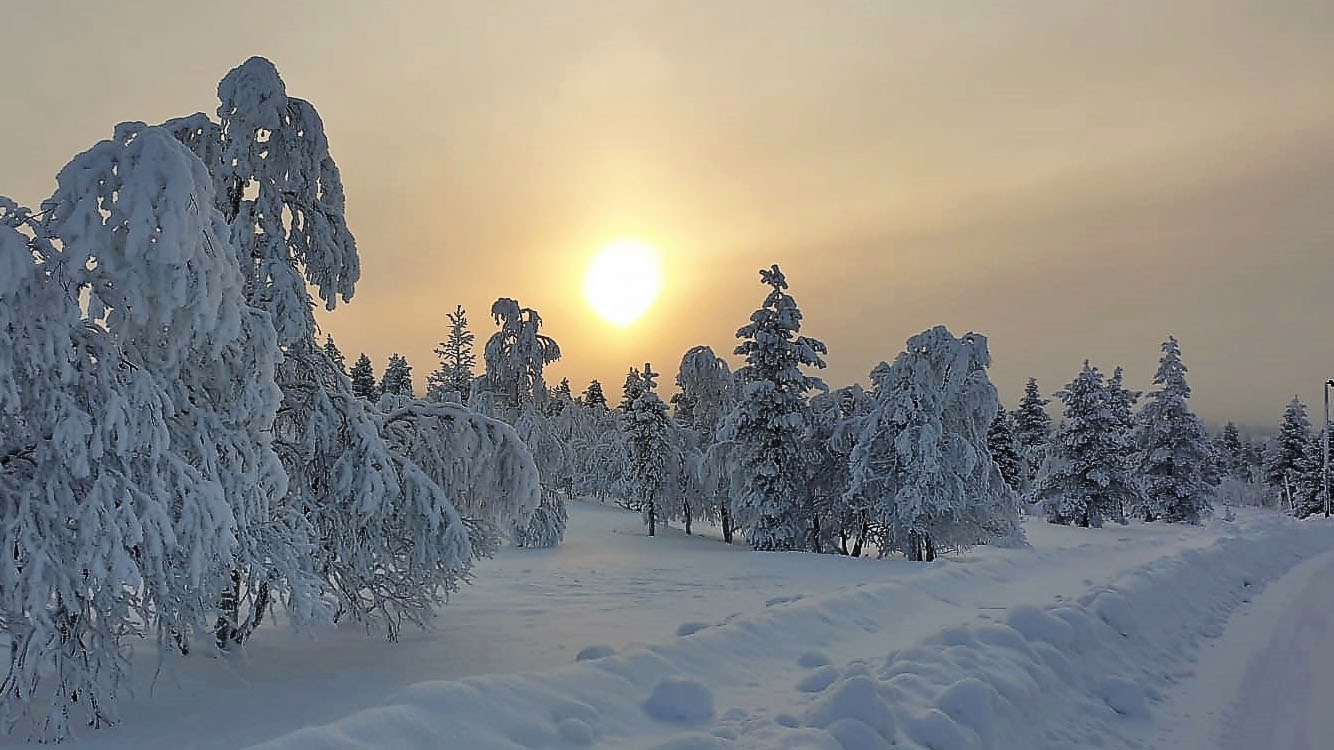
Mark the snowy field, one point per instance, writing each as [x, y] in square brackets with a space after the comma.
[1142, 636]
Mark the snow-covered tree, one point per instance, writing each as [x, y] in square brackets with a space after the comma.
[1309, 496]
[397, 378]
[335, 355]
[631, 389]
[362, 376]
[1086, 482]
[921, 458]
[593, 397]
[707, 391]
[1173, 447]
[515, 357]
[1232, 453]
[769, 422]
[1032, 426]
[647, 432]
[279, 190]
[139, 465]
[455, 372]
[1285, 459]
[845, 517]
[1004, 447]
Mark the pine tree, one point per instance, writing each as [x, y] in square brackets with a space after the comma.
[1173, 447]
[455, 373]
[1309, 496]
[363, 380]
[647, 429]
[1032, 426]
[1002, 443]
[593, 397]
[335, 356]
[1285, 460]
[397, 379]
[921, 458]
[769, 421]
[1087, 482]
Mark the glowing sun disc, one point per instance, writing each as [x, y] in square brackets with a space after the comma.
[623, 281]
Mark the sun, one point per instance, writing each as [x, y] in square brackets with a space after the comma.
[623, 281]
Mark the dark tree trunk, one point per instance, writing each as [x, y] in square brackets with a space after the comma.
[727, 523]
[685, 512]
[652, 519]
[861, 539]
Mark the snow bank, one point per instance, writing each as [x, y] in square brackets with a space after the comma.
[1087, 671]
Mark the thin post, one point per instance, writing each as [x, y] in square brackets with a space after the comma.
[1324, 457]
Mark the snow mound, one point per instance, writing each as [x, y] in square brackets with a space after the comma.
[853, 698]
[594, 652]
[679, 700]
[818, 680]
[690, 628]
[1124, 697]
[812, 659]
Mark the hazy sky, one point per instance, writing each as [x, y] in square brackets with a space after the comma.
[1074, 179]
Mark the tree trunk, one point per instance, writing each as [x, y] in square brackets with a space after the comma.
[652, 519]
[685, 512]
[861, 539]
[727, 522]
[929, 553]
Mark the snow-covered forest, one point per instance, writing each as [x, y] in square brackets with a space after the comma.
[188, 461]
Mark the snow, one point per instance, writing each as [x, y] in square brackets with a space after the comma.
[1089, 637]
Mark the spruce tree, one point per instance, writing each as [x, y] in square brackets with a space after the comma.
[335, 356]
[1309, 497]
[363, 379]
[457, 360]
[593, 397]
[1004, 447]
[647, 429]
[1286, 458]
[397, 380]
[1087, 483]
[631, 389]
[1174, 452]
[1232, 453]
[1032, 425]
[769, 422]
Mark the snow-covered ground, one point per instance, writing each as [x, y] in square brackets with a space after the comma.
[1142, 636]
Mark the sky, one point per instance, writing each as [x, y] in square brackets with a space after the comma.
[1073, 179]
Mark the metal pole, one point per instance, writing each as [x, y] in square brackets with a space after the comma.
[1324, 457]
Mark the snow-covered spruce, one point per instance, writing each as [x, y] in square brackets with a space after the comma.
[452, 379]
[362, 376]
[647, 430]
[921, 460]
[769, 421]
[1285, 463]
[1032, 429]
[1004, 447]
[397, 378]
[1173, 447]
[1086, 482]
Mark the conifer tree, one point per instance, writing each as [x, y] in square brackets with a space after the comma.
[633, 387]
[707, 392]
[1309, 496]
[1002, 443]
[1286, 458]
[593, 397]
[455, 372]
[397, 379]
[1032, 426]
[1173, 447]
[1232, 453]
[769, 421]
[647, 430]
[362, 375]
[1087, 483]
[335, 356]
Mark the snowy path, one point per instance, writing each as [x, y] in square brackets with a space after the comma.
[1267, 682]
[506, 644]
